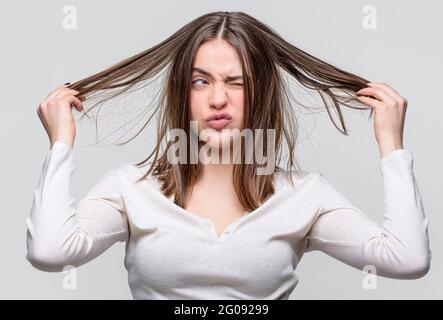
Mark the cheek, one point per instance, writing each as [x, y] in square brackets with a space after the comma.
[238, 102]
[195, 105]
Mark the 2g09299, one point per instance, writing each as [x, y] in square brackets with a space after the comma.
[243, 309]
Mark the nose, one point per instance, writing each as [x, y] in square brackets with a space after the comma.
[218, 98]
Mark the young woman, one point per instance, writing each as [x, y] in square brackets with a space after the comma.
[211, 230]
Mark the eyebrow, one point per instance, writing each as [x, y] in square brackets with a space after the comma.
[206, 73]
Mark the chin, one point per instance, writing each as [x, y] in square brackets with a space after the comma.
[218, 140]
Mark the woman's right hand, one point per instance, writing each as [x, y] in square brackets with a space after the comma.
[56, 115]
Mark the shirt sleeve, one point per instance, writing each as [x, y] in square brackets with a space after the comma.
[61, 234]
[399, 247]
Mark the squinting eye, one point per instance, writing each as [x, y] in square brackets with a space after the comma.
[196, 81]
[236, 83]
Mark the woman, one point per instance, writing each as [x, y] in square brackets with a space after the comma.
[211, 230]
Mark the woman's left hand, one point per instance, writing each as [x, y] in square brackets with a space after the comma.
[389, 115]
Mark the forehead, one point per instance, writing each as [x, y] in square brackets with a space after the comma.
[218, 56]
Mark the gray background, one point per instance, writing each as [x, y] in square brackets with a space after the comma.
[404, 51]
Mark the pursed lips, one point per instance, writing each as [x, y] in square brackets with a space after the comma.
[219, 121]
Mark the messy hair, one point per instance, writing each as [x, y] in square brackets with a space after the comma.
[267, 60]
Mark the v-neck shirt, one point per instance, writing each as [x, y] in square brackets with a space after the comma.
[171, 253]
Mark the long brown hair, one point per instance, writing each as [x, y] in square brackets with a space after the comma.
[266, 58]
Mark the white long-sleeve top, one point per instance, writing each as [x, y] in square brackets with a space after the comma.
[172, 253]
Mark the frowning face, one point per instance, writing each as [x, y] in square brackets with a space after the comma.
[217, 90]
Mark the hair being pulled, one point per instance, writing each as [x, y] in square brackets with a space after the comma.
[266, 59]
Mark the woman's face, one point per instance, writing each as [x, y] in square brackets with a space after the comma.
[217, 87]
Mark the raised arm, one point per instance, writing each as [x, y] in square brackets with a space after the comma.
[399, 248]
[60, 234]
